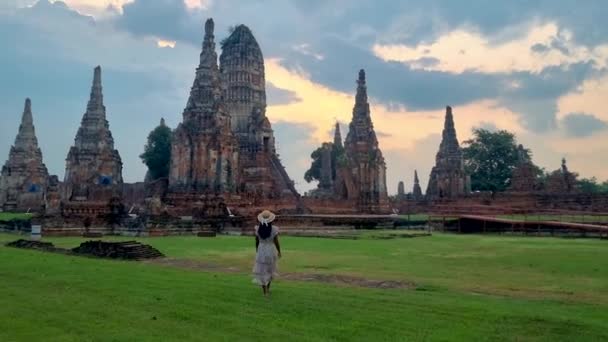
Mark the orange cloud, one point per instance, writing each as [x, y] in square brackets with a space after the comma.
[462, 50]
[161, 43]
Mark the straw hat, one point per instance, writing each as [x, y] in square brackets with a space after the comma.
[266, 216]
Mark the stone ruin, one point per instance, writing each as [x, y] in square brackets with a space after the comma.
[224, 156]
[524, 177]
[261, 172]
[325, 188]
[24, 178]
[401, 190]
[361, 173]
[224, 151]
[561, 181]
[330, 152]
[448, 178]
[127, 250]
[353, 172]
[417, 191]
[93, 174]
[204, 150]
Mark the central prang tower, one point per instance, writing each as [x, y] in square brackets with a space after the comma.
[243, 79]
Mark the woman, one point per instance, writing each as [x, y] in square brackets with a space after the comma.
[268, 251]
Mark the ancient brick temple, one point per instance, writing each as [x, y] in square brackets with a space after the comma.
[416, 191]
[401, 190]
[204, 150]
[523, 178]
[561, 181]
[361, 173]
[448, 178]
[242, 70]
[93, 170]
[24, 178]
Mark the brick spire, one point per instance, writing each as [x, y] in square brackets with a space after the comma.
[449, 142]
[401, 189]
[24, 172]
[26, 137]
[361, 127]
[205, 108]
[416, 191]
[337, 135]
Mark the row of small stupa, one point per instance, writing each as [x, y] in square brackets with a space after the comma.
[225, 144]
[448, 178]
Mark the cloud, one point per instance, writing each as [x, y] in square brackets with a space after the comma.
[278, 96]
[381, 134]
[304, 49]
[166, 43]
[490, 126]
[582, 125]
[330, 46]
[425, 62]
[541, 46]
[166, 19]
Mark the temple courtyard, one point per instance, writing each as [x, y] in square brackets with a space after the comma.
[379, 286]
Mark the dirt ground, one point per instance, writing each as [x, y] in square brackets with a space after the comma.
[312, 277]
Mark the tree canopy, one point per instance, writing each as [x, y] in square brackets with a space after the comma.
[157, 152]
[490, 158]
[592, 186]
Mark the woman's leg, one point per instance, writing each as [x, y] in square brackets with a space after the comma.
[264, 289]
[268, 286]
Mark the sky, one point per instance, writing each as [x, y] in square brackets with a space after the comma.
[536, 68]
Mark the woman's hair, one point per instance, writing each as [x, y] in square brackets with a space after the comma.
[264, 230]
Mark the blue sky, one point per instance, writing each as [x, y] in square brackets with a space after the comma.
[537, 68]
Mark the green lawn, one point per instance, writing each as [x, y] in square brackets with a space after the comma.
[564, 218]
[13, 216]
[468, 288]
[528, 217]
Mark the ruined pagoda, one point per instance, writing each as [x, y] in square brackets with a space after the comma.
[524, 175]
[204, 150]
[562, 180]
[401, 190]
[448, 178]
[242, 71]
[93, 170]
[362, 176]
[24, 177]
[338, 136]
[416, 191]
[328, 155]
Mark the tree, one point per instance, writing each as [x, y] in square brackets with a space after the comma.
[591, 185]
[490, 158]
[314, 172]
[157, 152]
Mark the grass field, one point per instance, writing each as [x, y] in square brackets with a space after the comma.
[13, 216]
[529, 217]
[559, 218]
[468, 288]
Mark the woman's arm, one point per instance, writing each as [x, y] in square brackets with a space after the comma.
[257, 243]
[277, 245]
